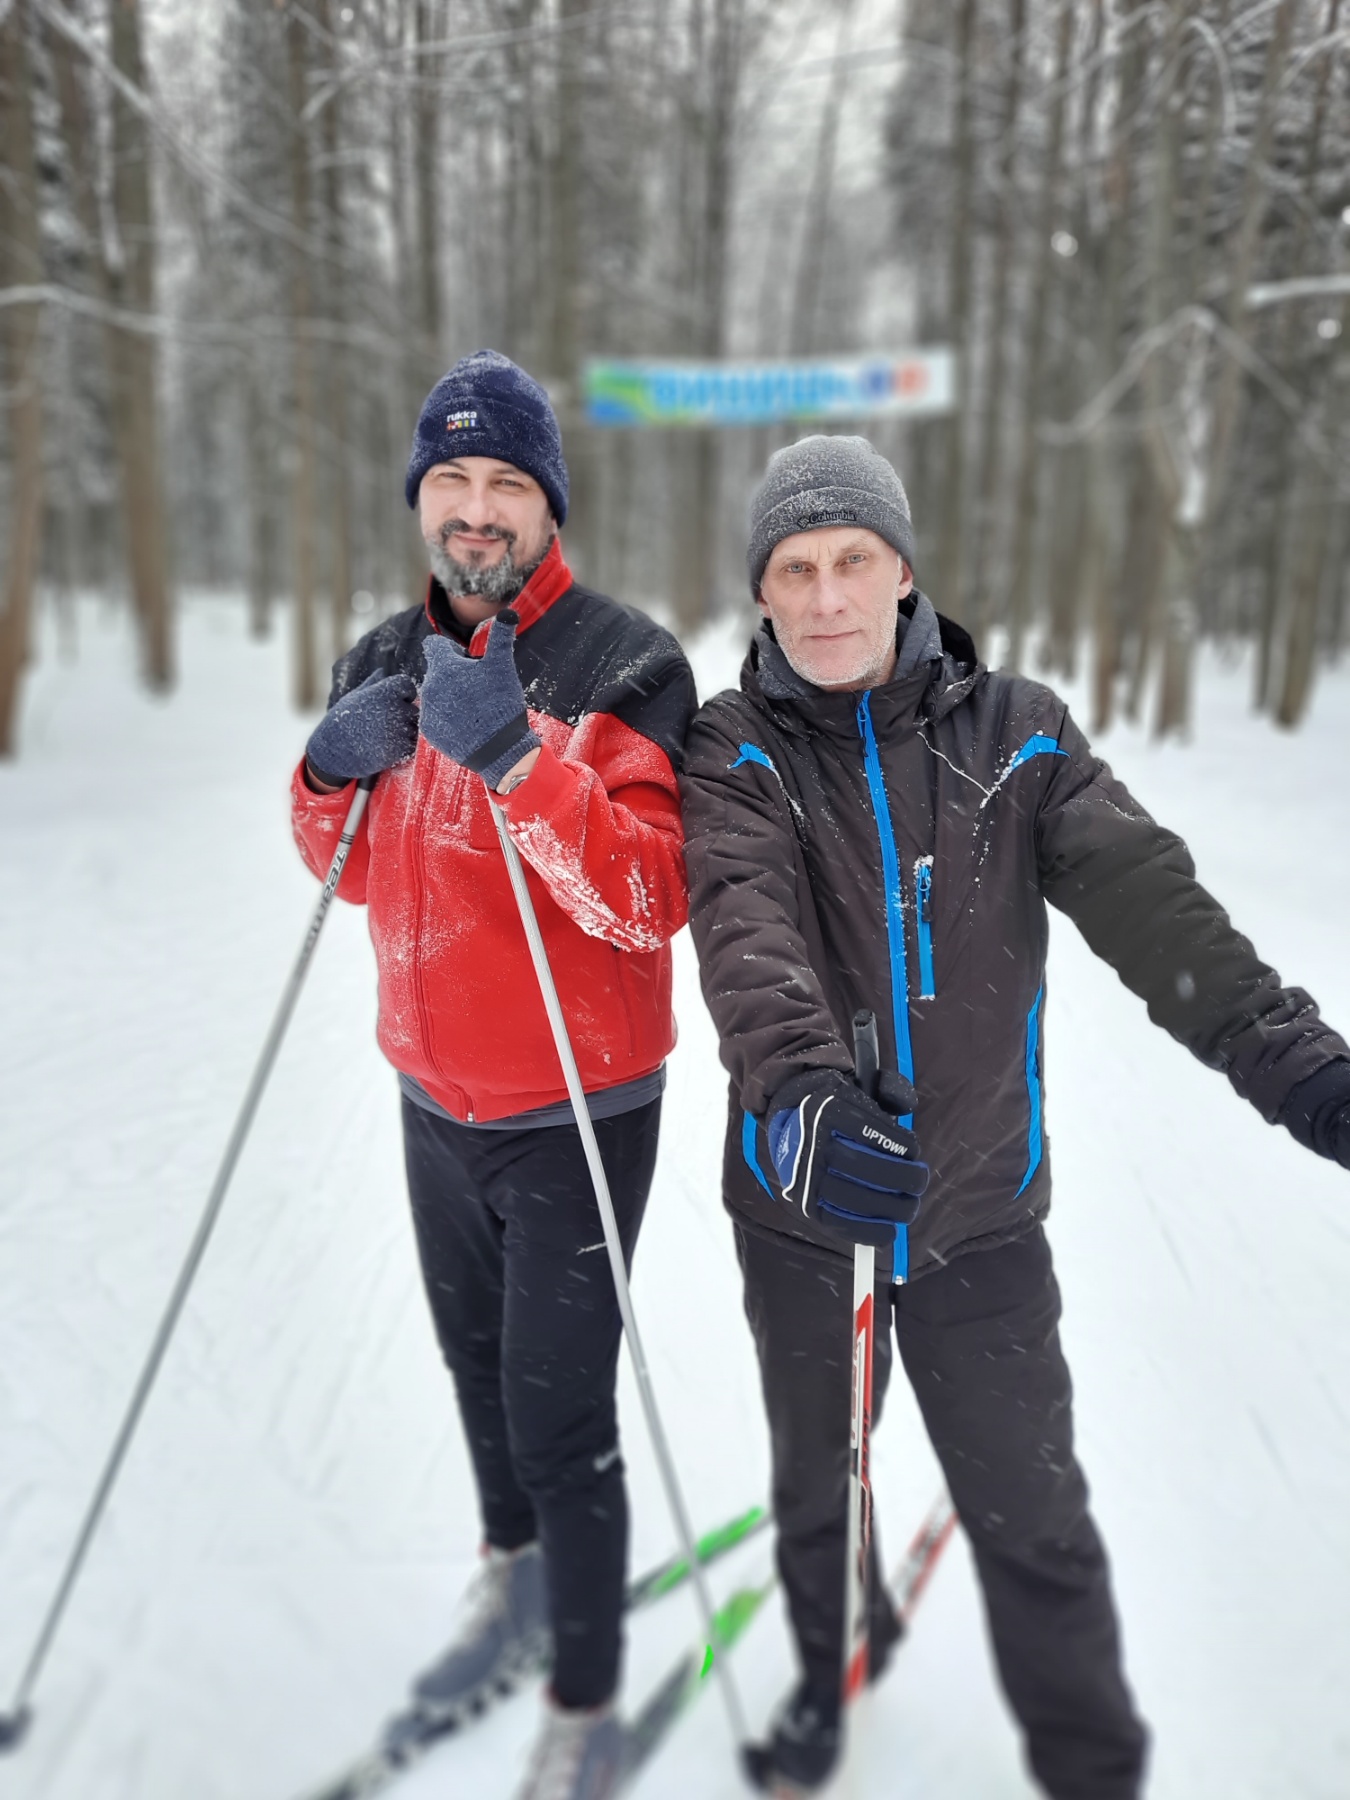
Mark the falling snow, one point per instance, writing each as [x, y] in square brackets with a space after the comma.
[297, 1518]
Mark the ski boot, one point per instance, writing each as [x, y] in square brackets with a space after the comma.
[503, 1639]
[579, 1755]
[803, 1746]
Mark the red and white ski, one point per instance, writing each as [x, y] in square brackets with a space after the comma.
[908, 1584]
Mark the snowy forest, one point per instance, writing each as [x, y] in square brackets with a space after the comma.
[238, 241]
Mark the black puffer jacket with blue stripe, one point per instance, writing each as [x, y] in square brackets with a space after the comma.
[896, 851]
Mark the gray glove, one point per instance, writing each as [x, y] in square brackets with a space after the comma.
[473, 708]
[370, 729]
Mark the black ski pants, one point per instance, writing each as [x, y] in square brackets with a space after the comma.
[514, 1261]
[979, 1340]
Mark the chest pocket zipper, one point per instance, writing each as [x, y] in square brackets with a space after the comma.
[923, 911]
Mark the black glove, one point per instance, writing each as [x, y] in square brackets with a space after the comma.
[1317, 1112]
[370, 729]
[843, 1159]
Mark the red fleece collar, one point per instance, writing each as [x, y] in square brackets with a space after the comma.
[549, 582]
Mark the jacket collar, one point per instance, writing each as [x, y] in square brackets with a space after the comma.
[550, 581]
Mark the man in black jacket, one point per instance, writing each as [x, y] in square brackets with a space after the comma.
[876, 821]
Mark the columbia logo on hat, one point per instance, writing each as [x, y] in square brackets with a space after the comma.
[462, 421]
[805, 521]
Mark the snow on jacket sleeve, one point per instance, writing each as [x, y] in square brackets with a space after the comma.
[1129, 885]
[771, 1013]
[317, 821]
[600, 824]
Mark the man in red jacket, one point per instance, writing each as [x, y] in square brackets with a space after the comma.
[514, 688]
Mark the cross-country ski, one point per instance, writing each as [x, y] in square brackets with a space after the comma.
[774, 1765]
[442, 1706]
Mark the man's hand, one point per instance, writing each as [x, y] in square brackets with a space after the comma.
[368, 730]
[1317, 1112]
[473, 709]
[842, 1158]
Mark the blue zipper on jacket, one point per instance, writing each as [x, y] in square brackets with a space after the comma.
[923, 910]
[895, 931]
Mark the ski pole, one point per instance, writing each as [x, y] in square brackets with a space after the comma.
[15, 1722]
[572, 1075]
[857, 1647]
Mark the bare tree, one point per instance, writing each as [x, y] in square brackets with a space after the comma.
[304, 485]
[1025, 506]
[130, 261]
[21, 264]
[954, 499]
[991, 420]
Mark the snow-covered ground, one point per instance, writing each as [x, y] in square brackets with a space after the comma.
[295, 1519]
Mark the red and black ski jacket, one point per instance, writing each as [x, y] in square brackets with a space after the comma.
[597, 825]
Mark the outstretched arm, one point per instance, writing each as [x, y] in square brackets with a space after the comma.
[1129, 885]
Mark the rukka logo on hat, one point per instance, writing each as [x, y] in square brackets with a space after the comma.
[462, 421]
[807, 521]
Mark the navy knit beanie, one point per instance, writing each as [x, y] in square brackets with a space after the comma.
[488, 406]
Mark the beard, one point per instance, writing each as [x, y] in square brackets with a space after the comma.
[868, 661]
[499, 582]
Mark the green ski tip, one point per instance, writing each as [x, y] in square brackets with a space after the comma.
[707, 1662]
[712, 1544]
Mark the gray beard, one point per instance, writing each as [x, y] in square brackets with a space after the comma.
[501, 583]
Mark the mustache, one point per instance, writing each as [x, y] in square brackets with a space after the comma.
[452, 528]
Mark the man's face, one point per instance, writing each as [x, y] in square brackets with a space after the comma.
[832, 597]
[487, 526]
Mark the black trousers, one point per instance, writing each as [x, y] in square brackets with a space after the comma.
[979, 1340]
[514, 1262]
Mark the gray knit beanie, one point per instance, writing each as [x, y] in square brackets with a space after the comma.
[821, 481]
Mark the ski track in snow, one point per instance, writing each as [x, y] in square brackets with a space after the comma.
[296, 1517]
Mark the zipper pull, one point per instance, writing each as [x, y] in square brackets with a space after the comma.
[923, 913]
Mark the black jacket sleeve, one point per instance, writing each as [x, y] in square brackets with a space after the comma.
[746, 915]
[1129, 885]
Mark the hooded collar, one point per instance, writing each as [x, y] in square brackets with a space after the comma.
[550, 582]
[935, 670]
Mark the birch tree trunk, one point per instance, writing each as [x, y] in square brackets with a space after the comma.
[21, 264]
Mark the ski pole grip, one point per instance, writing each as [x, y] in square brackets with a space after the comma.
[866, 1052]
